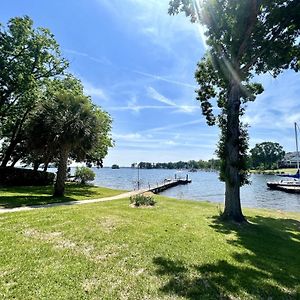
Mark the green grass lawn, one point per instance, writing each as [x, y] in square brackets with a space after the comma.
[176, 250]
[286, 171]
[29, 195]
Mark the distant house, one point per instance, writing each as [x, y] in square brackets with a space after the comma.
[289, 161]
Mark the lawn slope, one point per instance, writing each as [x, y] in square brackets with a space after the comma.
[177, 250]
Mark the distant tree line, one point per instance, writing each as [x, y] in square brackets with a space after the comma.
[264, 156]
[191, 164]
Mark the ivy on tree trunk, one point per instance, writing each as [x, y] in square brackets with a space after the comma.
[232, 171]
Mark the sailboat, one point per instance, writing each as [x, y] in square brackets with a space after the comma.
[291, 185]
[297, 175]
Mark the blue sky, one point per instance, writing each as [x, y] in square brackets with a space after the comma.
[138, 63]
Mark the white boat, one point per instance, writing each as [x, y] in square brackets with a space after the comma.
[292, 182]
[291, 185]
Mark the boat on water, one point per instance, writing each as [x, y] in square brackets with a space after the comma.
[291, 185]
[275, 184]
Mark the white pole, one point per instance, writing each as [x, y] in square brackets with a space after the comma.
[297, 150]
[138, 176]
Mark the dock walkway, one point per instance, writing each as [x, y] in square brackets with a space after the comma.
[154, 189]
[168, 184]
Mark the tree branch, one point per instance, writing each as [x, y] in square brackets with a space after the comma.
[275, 35]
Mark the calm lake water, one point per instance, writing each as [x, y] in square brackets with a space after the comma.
[205, 186]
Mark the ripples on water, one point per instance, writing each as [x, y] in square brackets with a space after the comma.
[205, 186]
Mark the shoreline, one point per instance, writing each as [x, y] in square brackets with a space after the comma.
[113, 194]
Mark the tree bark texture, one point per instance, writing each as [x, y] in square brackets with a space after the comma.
[233, 209]
[10, 149]
[59, 187]
[46, 164]
[36, 165]
[15, 139]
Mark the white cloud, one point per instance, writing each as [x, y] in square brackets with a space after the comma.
[128, 136]
[151, 19]
[154, 94]
[133, 106]
[93, 91]
[164, 78]
[187, 108]
[278, 107]
[292, 118]
[172, 143]
[102, 60]
[137, 108]
[173, 126]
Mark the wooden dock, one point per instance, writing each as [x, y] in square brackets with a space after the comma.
[168, 184]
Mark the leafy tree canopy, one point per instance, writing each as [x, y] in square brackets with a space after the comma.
[266, 154]
[69, 125]
[27, 56]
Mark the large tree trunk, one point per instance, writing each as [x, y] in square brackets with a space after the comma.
[46, 164]
[36, 165]
[59, 187]
[233, 209]
[10, 149]
[15, 160]
[15, 139]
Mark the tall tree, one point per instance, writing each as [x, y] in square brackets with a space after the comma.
[28, 57]
[267, 154]
[70, 125]
[243, 38]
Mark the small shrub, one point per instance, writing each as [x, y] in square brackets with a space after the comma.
[142, 200]
[84, 174]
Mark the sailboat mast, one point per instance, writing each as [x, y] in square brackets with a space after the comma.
[297, 151]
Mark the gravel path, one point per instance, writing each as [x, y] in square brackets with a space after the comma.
[79, 202]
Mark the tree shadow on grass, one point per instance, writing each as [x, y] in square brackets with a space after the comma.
[40, 195]
[21, 201]
[265, 265]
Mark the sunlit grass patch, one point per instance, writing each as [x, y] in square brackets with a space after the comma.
[177, 250]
